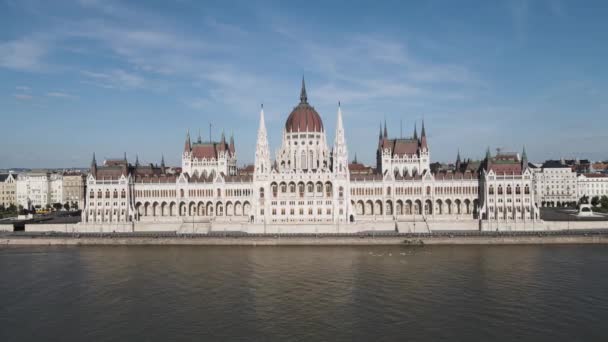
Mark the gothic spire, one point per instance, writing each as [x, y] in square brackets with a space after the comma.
[125, 156]
[385, 130]
[94, 166]
[423, 136]
[524, 158]
[380, 134]
[488, 155]
[303, 96]
[262, 151]
[415, 132]
[200, 138]
[187, 145]
[231, 147]
[162, 160]
[423, 132]
[458, 161]
[340, 152]
[136, 160]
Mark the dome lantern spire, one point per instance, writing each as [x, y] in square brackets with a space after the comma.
[303, 96]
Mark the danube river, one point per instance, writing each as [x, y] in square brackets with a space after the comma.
[441, 293]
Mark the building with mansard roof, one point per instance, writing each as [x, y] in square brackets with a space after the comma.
[309, 186]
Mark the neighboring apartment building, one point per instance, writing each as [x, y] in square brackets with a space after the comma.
[8, 189]
[555, 184]
[39, 188]
[592, 184]
[73, 189]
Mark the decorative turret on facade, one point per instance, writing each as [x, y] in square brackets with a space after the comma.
[262, 150]
[340, 151]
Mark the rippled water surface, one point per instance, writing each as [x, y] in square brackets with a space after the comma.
[476, 293]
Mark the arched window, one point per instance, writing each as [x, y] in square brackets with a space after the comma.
[491, 190]
[92, 194]
[107, 193]
[283, 188]
[292, 187]
[261, 192]
[527, 190]
[274, 190]
[517, 190]
[500, 189]
[303, 161]
[428, 190]
[341, 192]
[123, 193]
[310, 188]
[115, 193]
[509, 189]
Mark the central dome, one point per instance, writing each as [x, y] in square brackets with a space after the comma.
[304, 118]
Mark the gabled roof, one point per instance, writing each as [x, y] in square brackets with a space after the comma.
[401, 147]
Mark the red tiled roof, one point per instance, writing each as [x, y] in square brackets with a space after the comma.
[401, 147]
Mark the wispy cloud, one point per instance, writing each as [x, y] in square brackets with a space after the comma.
[25, 54]
[114, 79]
[58, 94]
[23, 97]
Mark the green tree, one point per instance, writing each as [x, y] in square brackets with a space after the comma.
[2, 208]
[604, 202]
[12, 207]
[66, 205]
[595, 201]
[57, 206]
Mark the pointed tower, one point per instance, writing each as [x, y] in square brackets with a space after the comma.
[262, 151]
[423, 138]
[94, 166]
[125, 157]
[303, 96]
[380, 132]
[231, 143]
[524, 159]
[187, 145]
[385, 130]
[415, 132]
[200, 138]
[136, 160]
[340, 152]
[458, 163]
[162, 163]
[488, 158]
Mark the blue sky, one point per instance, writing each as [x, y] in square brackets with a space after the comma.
[78, 77]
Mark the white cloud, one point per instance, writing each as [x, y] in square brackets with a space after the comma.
[115, 79]
[25, 54]
[59, 94]
[23, 97]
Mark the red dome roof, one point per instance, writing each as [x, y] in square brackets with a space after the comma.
[304, 118]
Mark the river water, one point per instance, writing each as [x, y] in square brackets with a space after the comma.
[177, 293]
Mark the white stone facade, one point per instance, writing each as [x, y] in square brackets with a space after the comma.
[8, 189]
[308, 185]
[592, 185]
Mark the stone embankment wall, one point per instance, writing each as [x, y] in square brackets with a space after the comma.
[306, 241]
